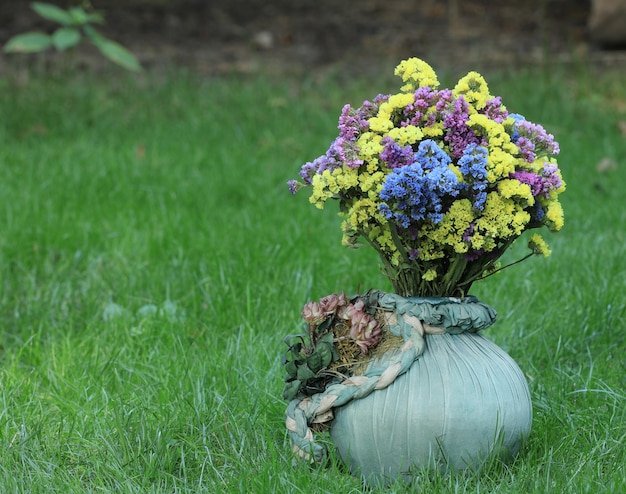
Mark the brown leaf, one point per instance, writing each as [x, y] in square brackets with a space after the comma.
[606, 164]
[140, 151]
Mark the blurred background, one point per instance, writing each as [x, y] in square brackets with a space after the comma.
[217, 36]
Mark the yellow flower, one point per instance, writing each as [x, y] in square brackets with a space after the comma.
[406, 135]
[349, 177]
[398, 101]
[363, 211]
[321, 192]
[381, 123]
[502, 218]
[416, 73]
[539, 246]
[369, 145]
[429, 275]
[474, 89]
[514, 189]
[554, 216]
[449, 232]
[372, 182]
[499, 164]
[435, 130]
[385, 241]
[494, 131]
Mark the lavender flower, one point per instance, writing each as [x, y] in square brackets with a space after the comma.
[319, 165]
[532, 139]
[394, 155]
[495, 110]
[416, 113]
[458, 135]
[541, 184]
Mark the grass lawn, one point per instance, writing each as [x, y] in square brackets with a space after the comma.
[152, 260]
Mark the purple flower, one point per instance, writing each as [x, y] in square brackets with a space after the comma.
[318, 166]
[526, 148]
[532, 139]
[541, 184]
[343, 150]
[352, 122]
[395, 155]
[458, 135]
[472, 255]
[416, 113]
[495, 111]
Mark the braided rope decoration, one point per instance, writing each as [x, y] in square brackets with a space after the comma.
[408, 317]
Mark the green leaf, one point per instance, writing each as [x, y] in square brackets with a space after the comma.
[290, 390]
[65, 37]
[290, 368]
[52, 13]
[28, 43]
[79, 16]
[314, 361]
[325, 351]
[115, 52]
[94, 17]
[304, 373]
[94, 36]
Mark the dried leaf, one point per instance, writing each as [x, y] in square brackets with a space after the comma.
[606, 164]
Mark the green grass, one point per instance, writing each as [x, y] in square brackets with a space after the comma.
[119, 195]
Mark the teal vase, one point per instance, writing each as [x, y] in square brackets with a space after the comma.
[464, 402]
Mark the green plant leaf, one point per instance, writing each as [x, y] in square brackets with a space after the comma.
[52, 13]
[304, 373]
[291, 390]
[28, 43]
[65, 37]
[79, 16]
[115, 52]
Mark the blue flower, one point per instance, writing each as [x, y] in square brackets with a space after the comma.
[518, 118]
[430, 155]
[473, 166]
[422, 190]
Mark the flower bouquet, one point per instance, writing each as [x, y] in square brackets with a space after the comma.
[440, 182]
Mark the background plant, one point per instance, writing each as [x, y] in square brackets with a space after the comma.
[75, 23]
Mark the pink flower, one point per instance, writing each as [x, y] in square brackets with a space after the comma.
[346, 312]
[364, 330]
[330, 303]
[312, 313]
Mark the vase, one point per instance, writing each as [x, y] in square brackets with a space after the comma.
[462, 403]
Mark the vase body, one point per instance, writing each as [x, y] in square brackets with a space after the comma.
[463, 402]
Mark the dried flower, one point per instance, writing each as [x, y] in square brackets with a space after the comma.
[440, 182]
[330, 303]
[312, 313]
